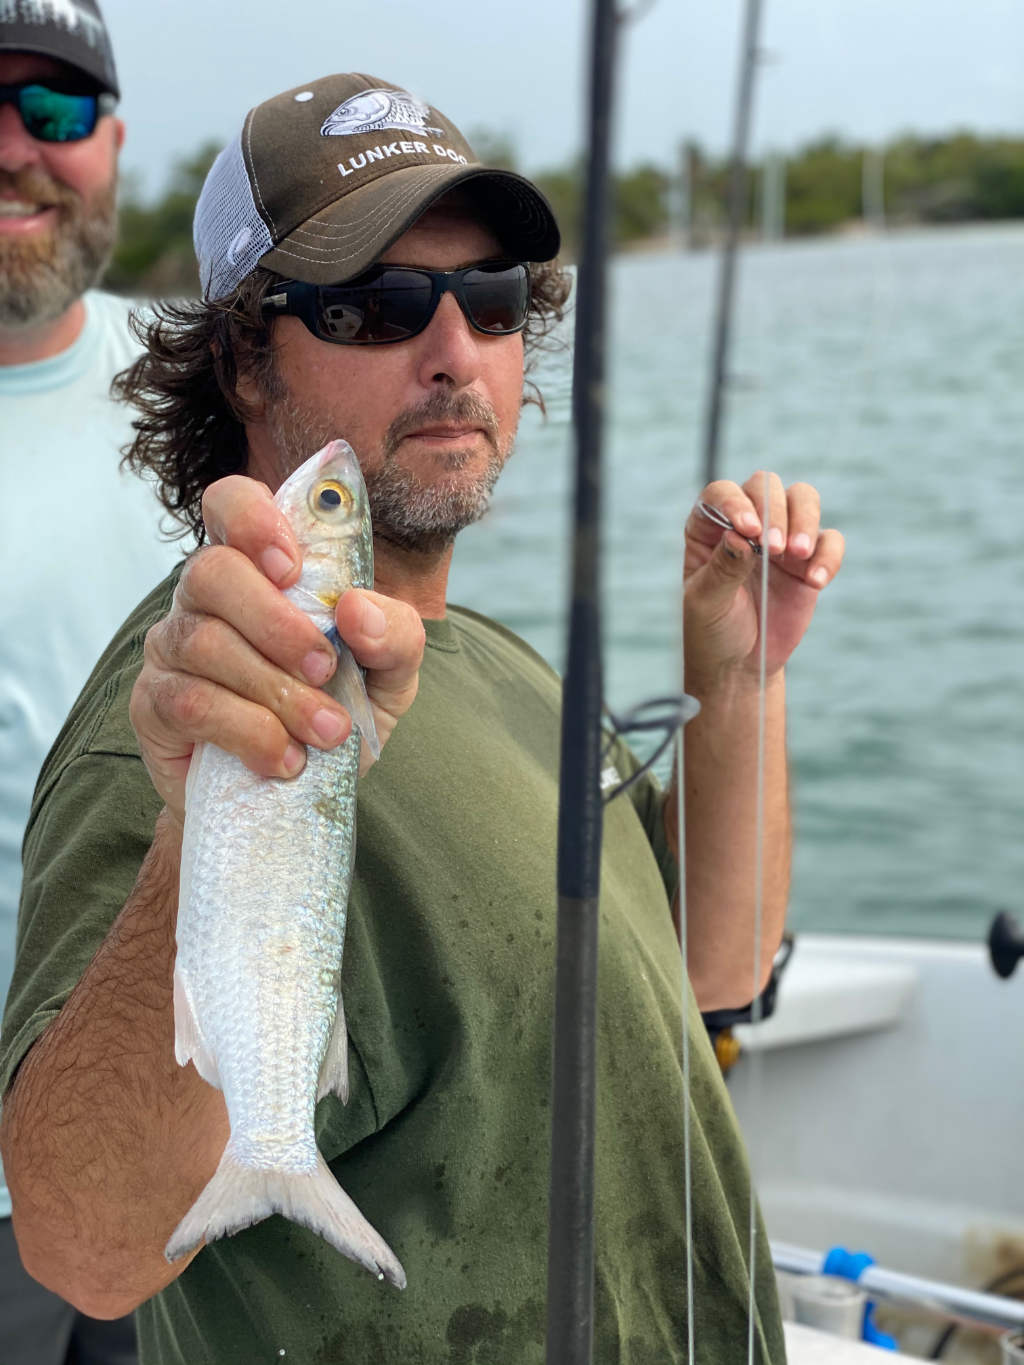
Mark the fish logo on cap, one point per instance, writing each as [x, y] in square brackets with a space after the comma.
[372, 110]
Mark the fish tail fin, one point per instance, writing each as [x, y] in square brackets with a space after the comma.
[238, 1195]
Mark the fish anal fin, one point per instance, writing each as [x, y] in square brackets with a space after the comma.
[189, 1045]
[334, 1067]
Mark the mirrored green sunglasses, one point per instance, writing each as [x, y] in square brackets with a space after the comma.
[54, 115]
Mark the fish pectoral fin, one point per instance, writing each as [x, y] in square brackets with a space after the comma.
[189, 1045]
[334, 1067]
[348, 687]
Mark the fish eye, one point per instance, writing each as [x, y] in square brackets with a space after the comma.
[330, 499]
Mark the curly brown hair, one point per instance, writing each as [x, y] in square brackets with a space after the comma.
[190, 429]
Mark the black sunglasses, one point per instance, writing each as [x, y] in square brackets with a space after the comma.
[51, 114]
[395, 302]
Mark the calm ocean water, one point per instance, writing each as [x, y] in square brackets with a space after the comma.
[888, 371]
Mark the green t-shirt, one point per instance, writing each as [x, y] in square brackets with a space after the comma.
[448, 976]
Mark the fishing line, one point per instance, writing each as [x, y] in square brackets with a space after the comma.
[756, 1006]
[684, 993]
[712, 437]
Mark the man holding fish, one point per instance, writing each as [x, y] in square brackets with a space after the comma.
[366, 278]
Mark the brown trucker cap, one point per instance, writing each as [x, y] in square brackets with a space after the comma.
[322, 179]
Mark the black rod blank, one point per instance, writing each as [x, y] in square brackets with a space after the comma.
[571, 1229]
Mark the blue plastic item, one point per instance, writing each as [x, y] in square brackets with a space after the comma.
[851, 1265]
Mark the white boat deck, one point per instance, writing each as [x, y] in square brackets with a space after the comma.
[806, 1346]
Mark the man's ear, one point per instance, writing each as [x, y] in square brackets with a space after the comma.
[250, 397]
[241, 390]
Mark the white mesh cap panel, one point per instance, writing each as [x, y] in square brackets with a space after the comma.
[228, 233]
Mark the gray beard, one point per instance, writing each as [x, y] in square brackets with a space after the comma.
[40, 280]
[407, 513]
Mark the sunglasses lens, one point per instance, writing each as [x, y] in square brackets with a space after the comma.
[56, 116]
[391, 303]
[497, 297]
[390, 307]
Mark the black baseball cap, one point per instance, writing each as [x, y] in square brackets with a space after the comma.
[71, 31]
[323, 178]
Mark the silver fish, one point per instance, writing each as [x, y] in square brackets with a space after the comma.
[265, 871]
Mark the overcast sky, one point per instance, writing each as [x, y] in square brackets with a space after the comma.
[868, 68]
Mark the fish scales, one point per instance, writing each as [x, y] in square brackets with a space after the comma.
[265, 874]
[281, 976]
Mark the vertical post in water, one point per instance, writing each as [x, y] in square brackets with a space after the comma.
[571, 1230]
[737, 209]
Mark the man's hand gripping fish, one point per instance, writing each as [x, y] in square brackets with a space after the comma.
[266, 865]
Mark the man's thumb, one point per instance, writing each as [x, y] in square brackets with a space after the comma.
[730, 565]
[732, 561]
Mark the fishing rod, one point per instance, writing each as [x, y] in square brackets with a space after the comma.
[737, 212]
[570, 1322]
[570, 1312]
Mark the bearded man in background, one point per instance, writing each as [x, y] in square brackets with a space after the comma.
[80, 539]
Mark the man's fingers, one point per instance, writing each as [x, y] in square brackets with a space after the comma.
[236, 663]
[241, 512]
[387, 638]
[775, 515]
[804, 519]
[191, 649]
[171, 713]
[385, 635]
[240, 665]
[827, 558]
[743, 507]
[793, 514]
[221, 582]
[729, 499]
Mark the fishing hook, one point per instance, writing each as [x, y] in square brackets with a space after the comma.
[720, 519]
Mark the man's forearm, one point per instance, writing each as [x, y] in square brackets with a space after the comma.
[721, 784]
[106, 1140]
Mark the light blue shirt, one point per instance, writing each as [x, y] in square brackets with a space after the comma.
[79, 547]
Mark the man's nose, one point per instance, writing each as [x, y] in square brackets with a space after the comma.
[17, 149]
[450, 348]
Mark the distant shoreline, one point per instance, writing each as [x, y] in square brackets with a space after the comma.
[853, 228]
